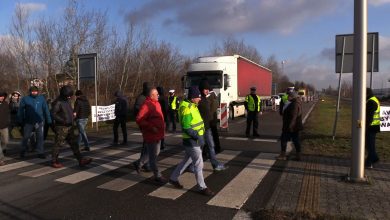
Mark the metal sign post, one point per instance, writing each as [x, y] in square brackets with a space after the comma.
[359, 91]
[87, 66]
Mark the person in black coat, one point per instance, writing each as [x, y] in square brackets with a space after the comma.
[62, 113]
[81, 112]
[121, 108]
[372, 128]
[163, 100]
[4, 123]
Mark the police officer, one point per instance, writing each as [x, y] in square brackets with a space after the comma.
[253, 107]
[372, 127]
[173, 104]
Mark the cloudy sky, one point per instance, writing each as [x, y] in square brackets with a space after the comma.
[300, 32]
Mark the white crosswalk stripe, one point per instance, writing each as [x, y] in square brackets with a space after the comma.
[96, 171]
[48, 169]
[188, 179]
[230, 196]
[26, 163]
[124, 182]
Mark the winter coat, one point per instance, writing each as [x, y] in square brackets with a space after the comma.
[33, 109]
[292, 116]
[163, 100]
[82, 108]
[121, 106]
[4, 115]
[62, 111]
[204, 109]
[150, 119]
[13, 108]
[213, 100]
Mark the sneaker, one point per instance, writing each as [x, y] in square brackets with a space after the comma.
[160, 180]
[2, 163]
[220, 167]
[85, 161]
[206, 192]
[41, 156]
[86, 149]
[176, 184]
[56, 165]
[136, 167]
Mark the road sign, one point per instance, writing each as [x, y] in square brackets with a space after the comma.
[372, 48]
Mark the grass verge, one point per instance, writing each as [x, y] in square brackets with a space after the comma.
[317, 135]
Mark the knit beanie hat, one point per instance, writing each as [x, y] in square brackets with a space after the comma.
[193, 92]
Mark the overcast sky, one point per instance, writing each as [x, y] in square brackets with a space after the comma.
[301, 32]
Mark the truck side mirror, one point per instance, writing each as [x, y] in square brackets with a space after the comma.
[226, 81]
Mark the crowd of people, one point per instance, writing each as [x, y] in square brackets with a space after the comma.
[155, 114]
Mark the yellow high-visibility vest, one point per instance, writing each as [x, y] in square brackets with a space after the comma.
[251, 103]
[187, 108]
[376, 119]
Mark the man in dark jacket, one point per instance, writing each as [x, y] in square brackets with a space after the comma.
[81, 112]
[121, 108]
[4, 123]
[214, 105]
[372, 128]
[204, 109]
[292, 125]
[13, 107]
[32, 113]
[63, 123]
[163, 100]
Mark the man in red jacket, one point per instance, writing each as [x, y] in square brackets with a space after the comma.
[150, 119]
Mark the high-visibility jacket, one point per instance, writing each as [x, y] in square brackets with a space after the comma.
[189, 117]
[251, 103]
[172, 103]
[285, 98]
[376, 118]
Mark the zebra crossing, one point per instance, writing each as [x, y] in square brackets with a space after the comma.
[107, 159]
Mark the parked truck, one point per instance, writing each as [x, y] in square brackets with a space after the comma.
[231, 78]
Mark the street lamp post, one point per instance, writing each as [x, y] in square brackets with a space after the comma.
[283, 62]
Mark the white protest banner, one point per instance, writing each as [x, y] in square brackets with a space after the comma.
[385, 118]
[104, 113]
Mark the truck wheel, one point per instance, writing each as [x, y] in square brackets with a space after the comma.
[231, 112]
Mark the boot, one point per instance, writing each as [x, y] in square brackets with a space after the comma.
[282, 156]
[84, 161]
[56, 164]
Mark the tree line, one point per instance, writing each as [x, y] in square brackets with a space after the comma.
[47, 49]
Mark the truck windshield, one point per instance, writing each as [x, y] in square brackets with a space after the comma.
[213, 77]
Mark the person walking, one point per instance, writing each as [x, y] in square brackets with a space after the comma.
[4, 124]
[173, 104]
[64, 130]
[121, 108]
[372, 128]
[193, 140]
[150, 119]
[139, 101]
[205, 112]
[292, 125]
[163, 100]
[32, 114]
[13, 108]
[81, 112]
[214, 105]
[253, 107]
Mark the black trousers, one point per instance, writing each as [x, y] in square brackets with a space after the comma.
[172, 119]
[252, 117]
[122, 122]
[287, 136]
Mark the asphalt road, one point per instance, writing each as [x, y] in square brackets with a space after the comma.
[110, 189]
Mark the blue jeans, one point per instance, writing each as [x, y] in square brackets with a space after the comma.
[153, 150]
[81, 123]
[193, 155]
[27, 130]
[372, 156]
[208, 135]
